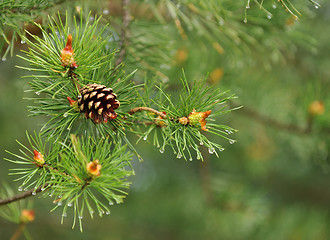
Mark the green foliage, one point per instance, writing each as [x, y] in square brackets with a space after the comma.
[66, 176]
[244, 37]
[15, 16]
[53, 83]
[64, 171]
[184, 139]
[12, 212]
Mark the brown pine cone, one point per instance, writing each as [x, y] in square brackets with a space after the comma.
[98, 102]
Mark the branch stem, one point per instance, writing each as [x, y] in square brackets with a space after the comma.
[140, 109]
[18, 232]
[122, 43]
[276, 123]
[22, 195]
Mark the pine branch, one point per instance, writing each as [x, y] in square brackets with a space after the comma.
[140, 109]
[18, 232]
[122, 43]
[278, 124]
[24, 195]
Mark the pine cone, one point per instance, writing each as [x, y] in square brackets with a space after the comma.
[98, 102]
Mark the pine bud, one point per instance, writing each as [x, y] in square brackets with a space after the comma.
[184, 120]
[67, 54]
[27, 216]
[73, 103]
[38, 158]
[199, 117]
[316, 108]
[93, 168]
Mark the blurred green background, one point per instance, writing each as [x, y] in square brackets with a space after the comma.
[274, 183]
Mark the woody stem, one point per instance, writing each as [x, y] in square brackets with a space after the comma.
[18, 232]
[140, 109]
[23, 195]
[74, 79]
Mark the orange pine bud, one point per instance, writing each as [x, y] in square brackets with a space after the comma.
[67, 54]
[38, 158]
[184, 120]
[93, 168]
[316, 108]
[27, 216]
[199, 117]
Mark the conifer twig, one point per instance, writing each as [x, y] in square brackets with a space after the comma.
[18, 232]
[140, 109]
[23, 195]
[122, 43]
[276, 123]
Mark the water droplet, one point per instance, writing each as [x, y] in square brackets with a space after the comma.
[4, 59]
[245, 20]
[269, 16]
[228, 131]
[22, 42]
[25, 189]
[65, 114]
[110, 203]
[221, 149]
[231, 141]
[68, 128]
[190, 159]
[42, 189]
[106, 11]
[201, 143]
[38, 93]
[70, 204]
[247, 7]
[80, 217]
[145, 137]
[179, 155]
[211, 150]
[221, 22]
[59, 203]
[64, 215]
[102, 212]
[51, 194]
[317, 7]
[91, 212]
[91, 18]
[274, 6]
[52, 177]
[107, 213]
[118, 200]
[161, 150]
[20, 189]
[34, 193]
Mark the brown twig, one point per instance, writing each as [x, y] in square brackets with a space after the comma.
[22, 195]
[140, 109]
[276, 123]
[18, 232]
[122, 43]
[74, 79]
[205, 177]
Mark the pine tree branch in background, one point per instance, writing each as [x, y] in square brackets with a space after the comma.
[122, 43]
[205, 177]
[252, 113]
[23, 195]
